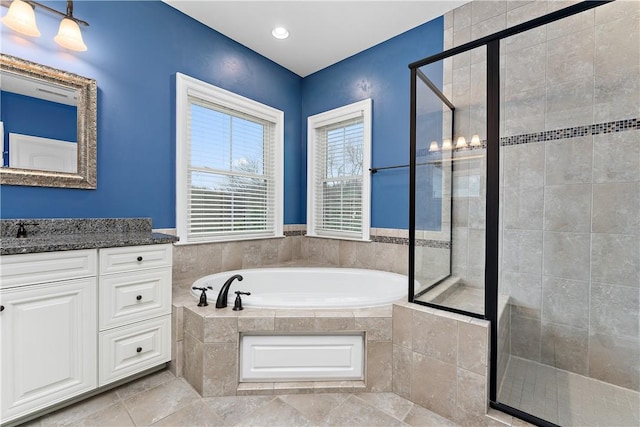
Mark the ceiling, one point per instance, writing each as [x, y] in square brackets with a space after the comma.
[321, 32]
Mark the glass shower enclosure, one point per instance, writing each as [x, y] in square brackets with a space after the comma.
[525, 208]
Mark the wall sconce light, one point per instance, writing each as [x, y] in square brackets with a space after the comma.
[446, 145]
[475, 141]
[461, 142]
[21, 18]
[434, 147]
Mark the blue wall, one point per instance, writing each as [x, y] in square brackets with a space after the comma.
[135, 49]
[379, 73]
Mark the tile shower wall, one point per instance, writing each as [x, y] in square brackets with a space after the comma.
[570, 198]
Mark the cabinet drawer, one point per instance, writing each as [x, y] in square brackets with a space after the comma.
[130, 349]
[117, 260]
[27, 269]
[131, 297]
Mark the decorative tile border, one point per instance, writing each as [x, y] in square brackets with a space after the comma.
[554, 135]
[383, 237]
[435, 244]
[428, 243]
[573, 132]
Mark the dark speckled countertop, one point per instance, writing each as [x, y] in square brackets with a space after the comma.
[50, 235]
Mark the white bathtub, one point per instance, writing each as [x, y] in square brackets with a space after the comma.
[309, 287]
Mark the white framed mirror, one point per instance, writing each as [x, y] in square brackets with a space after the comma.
[48, 121]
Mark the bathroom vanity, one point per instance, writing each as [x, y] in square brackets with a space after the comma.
[80, 309]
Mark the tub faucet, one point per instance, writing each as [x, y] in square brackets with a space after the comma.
[221, 302]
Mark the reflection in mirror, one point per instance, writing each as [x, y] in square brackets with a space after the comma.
[48, 123]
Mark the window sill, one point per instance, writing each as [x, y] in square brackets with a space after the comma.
[227, 240]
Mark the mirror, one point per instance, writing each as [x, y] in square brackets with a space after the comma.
[53, 144]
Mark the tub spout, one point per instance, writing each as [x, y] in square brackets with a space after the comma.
[221, 302]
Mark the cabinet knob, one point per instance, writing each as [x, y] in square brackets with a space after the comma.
[139, 259]
[139, 297]
[139, 349]
[1, 307]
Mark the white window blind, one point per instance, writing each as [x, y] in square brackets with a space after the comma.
[339, 177]
[339, 189]
[231, 186]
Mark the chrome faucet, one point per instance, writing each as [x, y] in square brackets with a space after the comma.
[221, 302]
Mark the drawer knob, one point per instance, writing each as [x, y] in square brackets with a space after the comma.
[1, 307]
[139, 259]
[139, 297]
[139, 349]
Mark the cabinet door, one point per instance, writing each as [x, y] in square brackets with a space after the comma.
[48, 344]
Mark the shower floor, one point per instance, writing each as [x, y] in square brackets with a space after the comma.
[451, 293]
[566, 398]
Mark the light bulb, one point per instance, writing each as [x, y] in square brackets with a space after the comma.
[21, 18]
[461, 142]
[434, 147]
[446, 144]
[475, 140]
[280, 33]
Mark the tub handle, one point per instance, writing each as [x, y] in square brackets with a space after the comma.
[237, 306]
[203, 296]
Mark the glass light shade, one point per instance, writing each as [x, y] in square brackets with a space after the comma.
[461, 142]
[69, 36]
[433, 146]
[446, 144]
[475, 140]
[21, 18]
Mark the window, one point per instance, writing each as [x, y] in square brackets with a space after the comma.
[229, 179]
[338, 178]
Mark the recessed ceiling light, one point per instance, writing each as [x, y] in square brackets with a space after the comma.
[280, 33]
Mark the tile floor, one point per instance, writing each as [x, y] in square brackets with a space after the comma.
[161, 399]
[566, 398]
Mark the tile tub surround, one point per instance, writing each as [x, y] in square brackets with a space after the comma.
[433, 358]
[48, 235]
[387, 251]
[208, 340]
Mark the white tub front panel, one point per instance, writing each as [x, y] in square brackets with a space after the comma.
[301, 357]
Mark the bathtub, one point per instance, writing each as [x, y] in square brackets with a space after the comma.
[309, 287]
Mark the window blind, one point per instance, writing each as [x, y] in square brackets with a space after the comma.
[338, 178]
[230, 172]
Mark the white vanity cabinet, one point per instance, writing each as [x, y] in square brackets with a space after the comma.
[134, 311]
[48, 329]
[74, 321]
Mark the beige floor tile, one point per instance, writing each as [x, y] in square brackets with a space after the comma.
[197, 414]
[154, 404]
[419, 416]
[274, 414]
[144, 384]
[70, 415]
[355, 412]
[232, 409]
[314, 406]
[111, 416]
[390, 403]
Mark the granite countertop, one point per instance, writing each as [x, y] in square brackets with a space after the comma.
[50, 235]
